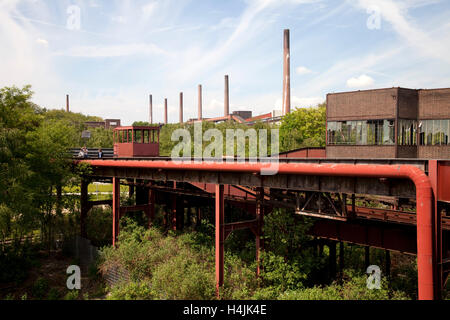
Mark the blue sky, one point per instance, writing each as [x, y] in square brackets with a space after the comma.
[125, 50]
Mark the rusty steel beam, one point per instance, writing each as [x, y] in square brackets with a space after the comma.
[424, 195]
[241, 225]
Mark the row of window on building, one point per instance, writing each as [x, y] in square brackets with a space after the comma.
[382, 132]
[136, 136]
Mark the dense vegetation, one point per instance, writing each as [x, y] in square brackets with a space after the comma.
[34, 169]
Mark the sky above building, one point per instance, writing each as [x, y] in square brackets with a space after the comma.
[109, 55]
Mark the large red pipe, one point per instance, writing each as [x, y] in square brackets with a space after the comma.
[424, 194]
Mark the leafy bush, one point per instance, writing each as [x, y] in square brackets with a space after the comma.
[132, 291]
[175, 267]
[72, 295]
[40, 288]
[354, 288]
[53, 294]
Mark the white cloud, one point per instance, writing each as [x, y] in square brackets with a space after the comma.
[149, 9]
[119, 19]
[303, 70]
[300, 102]
[42, 42]
[363, 81]
[396, 13]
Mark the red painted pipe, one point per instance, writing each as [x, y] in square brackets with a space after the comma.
[424, 194]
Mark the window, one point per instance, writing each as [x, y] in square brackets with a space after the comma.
[434, 132]
[407, 132]
[370, 132]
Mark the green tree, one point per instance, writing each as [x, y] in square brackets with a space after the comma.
[304, 127]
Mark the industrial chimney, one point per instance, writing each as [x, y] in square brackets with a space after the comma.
[151, 109]
[181, 107]
[227, 98]
[67, 103]
[287, 74]
[200, 103]
[165, 111]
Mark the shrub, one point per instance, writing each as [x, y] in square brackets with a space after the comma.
[132, 291]
[40, 288]
[72, 295]
[53, 294]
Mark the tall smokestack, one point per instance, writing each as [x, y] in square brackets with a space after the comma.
[181, 107]
[67, 103]
[165, 111]
[151, 109]
[287, 74]
[227, 98]
[200, 102]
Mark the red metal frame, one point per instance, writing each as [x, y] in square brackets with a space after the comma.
[426, 261]
[130, 149]
[220, 236]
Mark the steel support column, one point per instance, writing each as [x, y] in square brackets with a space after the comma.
[341, 257]
[332, 258]
[366, 257]
[151, 207]
[84, 203]
[220, 237]
[260, 222]
[116, 209]
[433, 174]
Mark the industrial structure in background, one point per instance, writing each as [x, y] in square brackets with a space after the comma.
[383, 146]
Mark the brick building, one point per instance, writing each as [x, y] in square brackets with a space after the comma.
[389, 123]
[107, 124]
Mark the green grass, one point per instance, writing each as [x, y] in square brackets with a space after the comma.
[92, 188]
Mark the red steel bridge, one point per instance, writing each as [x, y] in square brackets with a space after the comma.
[327, 190]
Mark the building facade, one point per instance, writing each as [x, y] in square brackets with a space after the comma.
[389, 123]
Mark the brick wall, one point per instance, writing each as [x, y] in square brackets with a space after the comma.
[433, 152]
[407, 152]
[434, 104]
[362, 105]
[407, 103]
[362, 152]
